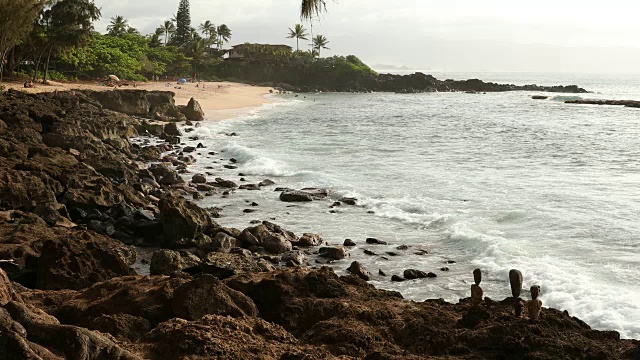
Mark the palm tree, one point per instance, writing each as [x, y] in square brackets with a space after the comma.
[311, 8]
[298, 32]
[168, 28]
[320, 42]
[118, 26]
[224, 34]
[208, 29]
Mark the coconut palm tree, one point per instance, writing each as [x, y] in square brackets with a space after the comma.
[118, 26]
[168, 28]
[320, 42]
[208, 29]
[224, 34]
[298, 32]
[311, 8]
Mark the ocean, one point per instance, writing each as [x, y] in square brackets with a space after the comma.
[494, 181]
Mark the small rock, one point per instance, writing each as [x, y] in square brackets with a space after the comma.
[349, 242]
[411, 274]
[369, 252]
[450, 262]
[266, 182]
[254, 204]
[396, 278]
[248, 211]
[308, 239]
[249, 187]
[199, 179]
[381, 273]
[402, 247]
[444, 269]
[295, 196]
[390, 253]
[277, 244]
[334, 252]
[230, 167]
[359, 270]
[375, 241]
[189, 149]
[200, 146]
[349, 200]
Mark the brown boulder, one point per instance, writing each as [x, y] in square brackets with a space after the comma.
[206, 295]
[182, 221]
[193, 111]
[82, 259]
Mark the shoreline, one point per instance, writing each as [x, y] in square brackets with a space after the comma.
[220, 100]
[297, 308]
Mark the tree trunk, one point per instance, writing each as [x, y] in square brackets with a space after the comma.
[46, 67]
[297, 44]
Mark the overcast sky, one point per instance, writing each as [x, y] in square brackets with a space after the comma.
[456, 35]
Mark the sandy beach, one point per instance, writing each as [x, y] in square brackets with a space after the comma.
[219, 100]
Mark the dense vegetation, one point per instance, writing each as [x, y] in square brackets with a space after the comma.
[55, 39]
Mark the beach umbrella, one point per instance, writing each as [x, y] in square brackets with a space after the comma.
[182, 81]
[113, 77]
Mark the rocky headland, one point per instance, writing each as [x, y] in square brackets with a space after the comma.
[420, 83]
[79, 199]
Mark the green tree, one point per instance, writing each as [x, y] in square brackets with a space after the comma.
[17, 18]
[298, 32]
[68, 25]
[168, 28]
[224, 34]
[311, 8]
[118, 26]
[320, 42]
[183, 23]
[208, 29]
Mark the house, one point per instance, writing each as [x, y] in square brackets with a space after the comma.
[237, 51]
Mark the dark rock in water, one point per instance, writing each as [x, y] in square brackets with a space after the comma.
[249, 187]
[230, 167]
[391, 253]
[254, 204]
[422, 252]
[308, 239]
[243, 179]
[200, 146]
[374, 241]
[233, 161]
[266, 182]
[280, 189]
[295, 196]
[359, 270]
[208, 295]
[444, 269]
[225, 183]
[349, 242]
[248, 211]
[515, 280]
[193, 111]
[348, 200]
[197, 196]
[381, 273]
[189, 149]
[402, 247]
[369, 252]
[626, 103]
[539, 97]
[231, 134]
[334, 252]
[431, 275]
[337, 203]
[199, 179]
[371, 212]
[411, 274]
[171, 129]
[450, 262]
[396, 278]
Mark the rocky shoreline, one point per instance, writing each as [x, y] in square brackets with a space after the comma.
[78, 196]
[421, 83]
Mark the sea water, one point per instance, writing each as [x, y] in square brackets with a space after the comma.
[494, 181]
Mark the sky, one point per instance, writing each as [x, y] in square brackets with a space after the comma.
[452, 35]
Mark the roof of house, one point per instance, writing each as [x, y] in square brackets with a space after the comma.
[270, 45]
